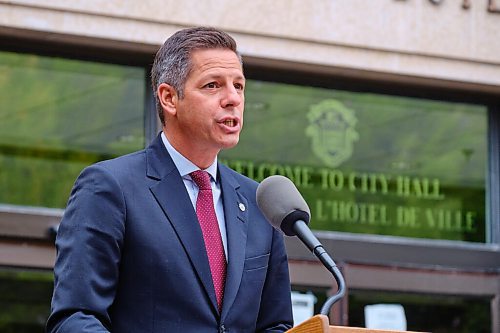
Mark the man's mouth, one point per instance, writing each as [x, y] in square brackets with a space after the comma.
[229, 122]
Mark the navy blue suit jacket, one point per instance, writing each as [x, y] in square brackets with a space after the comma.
[131, 257]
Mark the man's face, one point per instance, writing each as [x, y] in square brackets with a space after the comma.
[210, 115]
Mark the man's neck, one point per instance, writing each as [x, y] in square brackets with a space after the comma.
[200, 157]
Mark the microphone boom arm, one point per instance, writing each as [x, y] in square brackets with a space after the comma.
[315, 246]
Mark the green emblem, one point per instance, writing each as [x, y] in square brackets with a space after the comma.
[331, 127]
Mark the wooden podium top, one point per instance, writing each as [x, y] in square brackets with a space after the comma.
[320, 324]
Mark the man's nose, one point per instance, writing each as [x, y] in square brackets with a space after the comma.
[232, 97]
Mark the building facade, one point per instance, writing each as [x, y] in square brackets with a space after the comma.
[384, 113]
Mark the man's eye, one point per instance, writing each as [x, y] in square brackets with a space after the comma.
[239, 86]
[211, 85]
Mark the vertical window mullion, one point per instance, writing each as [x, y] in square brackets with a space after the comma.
[493, 220]
[151, 121]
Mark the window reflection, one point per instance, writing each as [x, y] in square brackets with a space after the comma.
[370, 163]
[427, 313]
[24, 300]
[58, 116]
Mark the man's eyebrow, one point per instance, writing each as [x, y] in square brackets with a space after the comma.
[219, 76]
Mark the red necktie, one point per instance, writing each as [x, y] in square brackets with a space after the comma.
[211, 232]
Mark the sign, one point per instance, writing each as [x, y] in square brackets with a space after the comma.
[369, 163]
[302, 307]
[385, 317]
[492, 5]
[376, 203]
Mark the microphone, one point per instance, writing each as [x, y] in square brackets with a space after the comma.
[285, 208]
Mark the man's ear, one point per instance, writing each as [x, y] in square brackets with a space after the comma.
[168, 98]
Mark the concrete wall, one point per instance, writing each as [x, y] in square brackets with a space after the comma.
[454, 43]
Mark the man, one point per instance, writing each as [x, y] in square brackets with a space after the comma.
[148, 242]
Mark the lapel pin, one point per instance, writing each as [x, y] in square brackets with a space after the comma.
[242, 207]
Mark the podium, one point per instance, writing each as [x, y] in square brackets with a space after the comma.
[320, 324]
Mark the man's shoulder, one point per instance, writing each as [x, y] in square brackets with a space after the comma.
[137, 159]
[121, 166]
[242, 180]
[124, 161]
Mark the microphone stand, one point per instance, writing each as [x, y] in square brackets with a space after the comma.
[306, 236]
[325, 309]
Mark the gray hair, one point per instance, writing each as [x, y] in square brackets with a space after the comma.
[172, 63]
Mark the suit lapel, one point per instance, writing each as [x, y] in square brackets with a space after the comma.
[235, 212]
[171, 195]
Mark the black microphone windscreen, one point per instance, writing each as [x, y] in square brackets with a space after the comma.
[281, 203]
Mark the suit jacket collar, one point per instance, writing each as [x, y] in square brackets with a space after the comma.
[158, 161]
[236, 214]
[173, 198]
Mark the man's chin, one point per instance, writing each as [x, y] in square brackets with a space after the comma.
[229, 144]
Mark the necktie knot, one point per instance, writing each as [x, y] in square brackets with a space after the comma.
[202, 179]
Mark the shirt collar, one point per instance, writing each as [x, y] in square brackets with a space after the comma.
[184, 165]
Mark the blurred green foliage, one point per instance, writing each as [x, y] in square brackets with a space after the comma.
[58, 116]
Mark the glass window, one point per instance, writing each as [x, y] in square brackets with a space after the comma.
[24, 300]
[58, 116]
[370, 163]
[427, 313]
